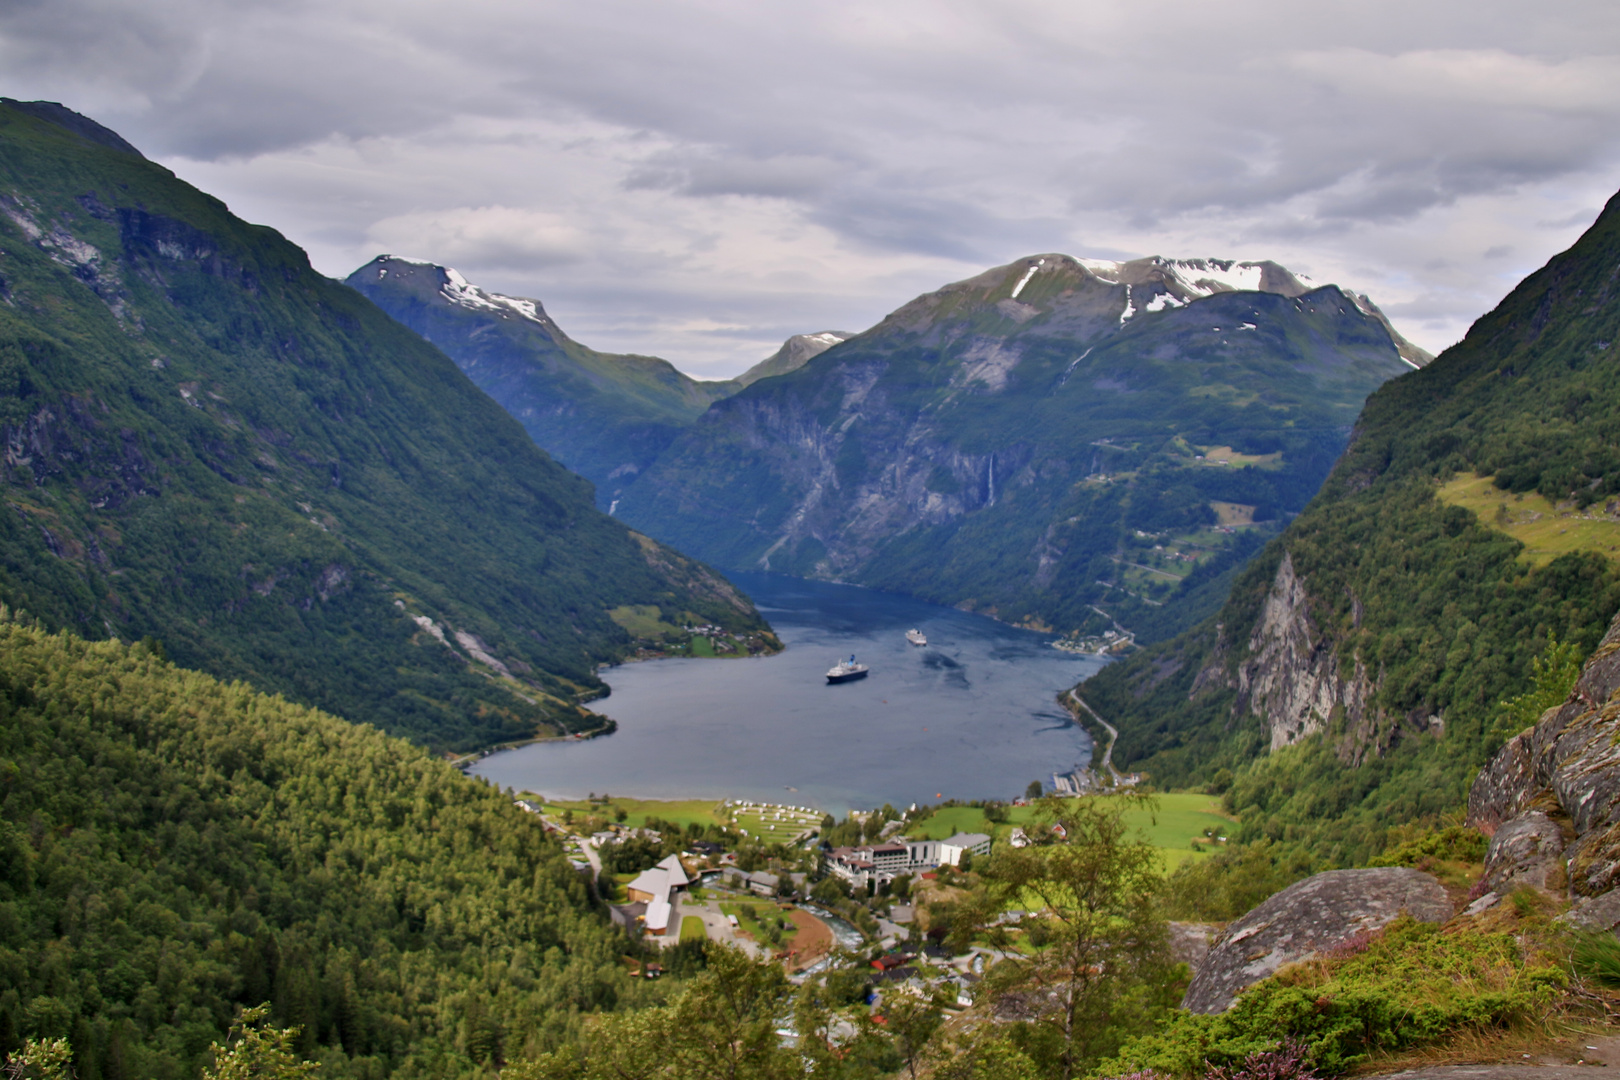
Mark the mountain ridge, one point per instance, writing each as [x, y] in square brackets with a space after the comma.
[210, 444]
[884, 459]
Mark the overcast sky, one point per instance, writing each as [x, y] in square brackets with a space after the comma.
[699, 180]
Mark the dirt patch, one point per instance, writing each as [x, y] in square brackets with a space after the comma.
[813, 940]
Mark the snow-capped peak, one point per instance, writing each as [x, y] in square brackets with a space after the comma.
[463, 293]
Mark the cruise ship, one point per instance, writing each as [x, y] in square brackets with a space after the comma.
[846, 671]
[916, 637]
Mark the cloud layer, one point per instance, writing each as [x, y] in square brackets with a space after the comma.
[699, 180]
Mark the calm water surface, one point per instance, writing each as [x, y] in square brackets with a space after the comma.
[972, 715]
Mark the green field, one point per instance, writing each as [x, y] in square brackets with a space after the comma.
[749, 916]
[1171, 825]
[692, 928]
[1546, 530]
[637, 811]
[642, 620]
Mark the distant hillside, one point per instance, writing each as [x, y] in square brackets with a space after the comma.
[1353, 680]
[1058, 442]
[173, 848]
[603, 415]
[210, 444]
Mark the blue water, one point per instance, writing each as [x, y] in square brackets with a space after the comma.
[973, 715]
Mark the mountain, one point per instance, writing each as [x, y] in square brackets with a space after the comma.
[1354, 679]
[605, 416]
[795, 352]
[1058, 441]
[173, 848]
[210, 444]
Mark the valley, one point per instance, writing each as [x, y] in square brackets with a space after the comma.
[331, 614]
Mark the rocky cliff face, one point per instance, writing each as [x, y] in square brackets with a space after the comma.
[1293, 676]
[1019, 442]
[1564, 771]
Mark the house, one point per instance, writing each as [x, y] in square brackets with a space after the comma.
[705, 848]
[763, 883]
[1018, 838]
[890, 961]
[952, 848]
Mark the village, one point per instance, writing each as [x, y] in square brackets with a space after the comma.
[777, 891]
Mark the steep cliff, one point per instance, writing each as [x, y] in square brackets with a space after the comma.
[210, 444]
[1048, 438]
[1352, 679]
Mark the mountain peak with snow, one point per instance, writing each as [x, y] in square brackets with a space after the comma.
[1156, 283]
[456, 290]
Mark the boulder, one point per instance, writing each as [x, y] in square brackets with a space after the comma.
[1598, 913]
[1527, 850]
[1310, 917]
[1189, 942]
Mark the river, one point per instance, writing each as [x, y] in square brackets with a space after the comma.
[972, 715]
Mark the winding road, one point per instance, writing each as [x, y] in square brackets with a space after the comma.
[1113, 737]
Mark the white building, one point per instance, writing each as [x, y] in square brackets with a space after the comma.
[952, 848]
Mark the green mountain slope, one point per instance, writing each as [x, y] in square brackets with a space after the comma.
[209, 443]
[1048, 439]
[173, 848]
[1352, 680]
[603, 415]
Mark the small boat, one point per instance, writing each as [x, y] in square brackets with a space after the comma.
[846, 671]
[916, 637]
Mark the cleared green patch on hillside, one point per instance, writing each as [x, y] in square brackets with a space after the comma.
[642, 620]
[1546, 529]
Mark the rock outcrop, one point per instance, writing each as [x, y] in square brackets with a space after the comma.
[1563, 773]
[1318, 915]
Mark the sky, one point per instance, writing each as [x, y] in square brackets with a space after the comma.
[699, 180]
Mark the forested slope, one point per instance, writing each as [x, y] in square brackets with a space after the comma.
[173, 847]
[1354, 678]
[209, 443]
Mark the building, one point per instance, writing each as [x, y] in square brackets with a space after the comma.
[763, 883]
[952, 848]
[656, 888]
[888, 860]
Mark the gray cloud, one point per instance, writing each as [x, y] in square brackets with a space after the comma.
[699, 180]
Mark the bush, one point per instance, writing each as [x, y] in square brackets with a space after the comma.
[1457, 843]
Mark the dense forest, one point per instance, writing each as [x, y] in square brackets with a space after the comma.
[173, 847]
[1444, 612]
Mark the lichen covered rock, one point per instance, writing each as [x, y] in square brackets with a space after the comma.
[1528, 850]
[1568, 764]
[1317, 915]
